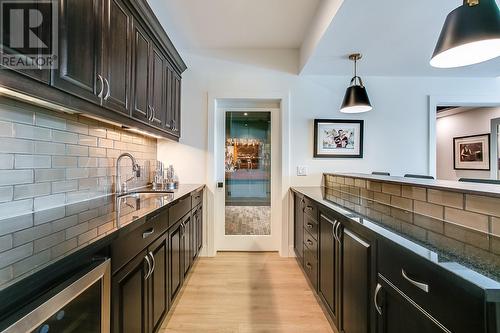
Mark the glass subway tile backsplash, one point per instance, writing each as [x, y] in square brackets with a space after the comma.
[49, 159]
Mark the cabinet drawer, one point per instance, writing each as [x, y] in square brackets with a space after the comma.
[454, 302]
[311, 267]
[178, 210]
[310, 208]
[197, 198]
[127, 247]
[311, 243]
[311, 226]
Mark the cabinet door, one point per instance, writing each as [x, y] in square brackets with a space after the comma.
[329, 266]
[355, 283]
[117, 56]
[130, 297]
[399, 315]
[140, 74]
[199, 234]
[156, 98]
[298, 239]
[158, 296]
[80, 49]
[169, 79]
[194, 235]
[176, 258]
[176, 105]
[187, 234]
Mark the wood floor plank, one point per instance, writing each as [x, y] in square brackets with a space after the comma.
[240, 292]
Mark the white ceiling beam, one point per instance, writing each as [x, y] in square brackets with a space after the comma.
[323, 18]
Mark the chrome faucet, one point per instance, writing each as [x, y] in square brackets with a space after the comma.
[122, 187]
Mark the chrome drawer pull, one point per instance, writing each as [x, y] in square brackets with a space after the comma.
[148, 233]
[309, 242]
[375, 299]
[308, 265]
[309, 225]
[420, 285]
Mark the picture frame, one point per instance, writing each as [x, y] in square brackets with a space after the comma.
[472, 152]
[338, 138]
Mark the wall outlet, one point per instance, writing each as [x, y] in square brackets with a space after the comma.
[301, 170]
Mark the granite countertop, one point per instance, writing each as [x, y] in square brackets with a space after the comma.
[491, 190]
[481, 275]
[42, 238]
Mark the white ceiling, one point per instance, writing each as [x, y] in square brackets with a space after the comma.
[396, 38]
[229, 24]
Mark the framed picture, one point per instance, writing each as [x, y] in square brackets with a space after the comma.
[338, 138]
[472, 152]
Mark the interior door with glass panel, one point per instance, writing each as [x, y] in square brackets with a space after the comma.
[248, 165]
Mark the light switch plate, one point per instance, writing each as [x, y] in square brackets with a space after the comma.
[301, 170]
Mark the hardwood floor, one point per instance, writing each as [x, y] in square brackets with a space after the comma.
[239, 292]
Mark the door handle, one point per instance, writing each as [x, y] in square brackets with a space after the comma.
[148, 233]
[149, 267]
[375, 298]
[108, 89]
[420, 285]
[102, 86]
[153, 260]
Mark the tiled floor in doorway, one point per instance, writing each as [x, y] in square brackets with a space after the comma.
[248, 220]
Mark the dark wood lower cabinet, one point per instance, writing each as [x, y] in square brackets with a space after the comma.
[328, 288]
[298, 239]
[176, 260]
[398, 314]
[144, 287]
[158, 282]
[129, 302]
[355, 290]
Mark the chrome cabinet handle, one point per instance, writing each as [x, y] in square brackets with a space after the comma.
[108, 89]
[334, 231]
[154, 113]
[308, 265]
[308, 208]
[309, 225]
[154, 262]
[375, 298]
[149, 267]
[102, 86]
[148, 233]
[420, 285]
[337, 232]
[309, 242]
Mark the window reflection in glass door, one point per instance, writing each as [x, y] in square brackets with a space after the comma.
[248, 173]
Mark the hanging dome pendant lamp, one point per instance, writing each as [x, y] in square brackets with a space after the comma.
[356, 99]
[470, 35]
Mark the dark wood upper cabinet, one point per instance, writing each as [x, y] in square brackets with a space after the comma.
[78, 69]
[140, 72]
[157, 97]
[117, 54]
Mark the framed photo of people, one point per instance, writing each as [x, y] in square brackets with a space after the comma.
[472, 152]
[338, 138]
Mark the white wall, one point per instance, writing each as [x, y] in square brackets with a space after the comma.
[396, 131]
[471, 122]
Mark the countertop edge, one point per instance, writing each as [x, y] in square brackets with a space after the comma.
[446, 185]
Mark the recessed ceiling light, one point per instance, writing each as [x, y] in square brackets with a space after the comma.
[245, 114]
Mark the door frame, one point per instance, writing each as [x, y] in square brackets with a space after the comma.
[450, 100]
[281, 207]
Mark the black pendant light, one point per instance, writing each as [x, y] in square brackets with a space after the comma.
[470, 35]
[356, 99]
